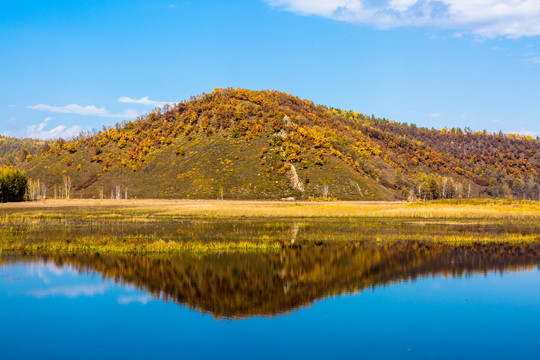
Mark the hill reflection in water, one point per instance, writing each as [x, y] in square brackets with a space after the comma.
[240, 285]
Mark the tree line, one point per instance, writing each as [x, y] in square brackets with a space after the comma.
[434, 186]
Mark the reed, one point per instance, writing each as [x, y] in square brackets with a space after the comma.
[89, 245]
[146, 210]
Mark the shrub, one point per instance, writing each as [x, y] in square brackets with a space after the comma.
[13, 185]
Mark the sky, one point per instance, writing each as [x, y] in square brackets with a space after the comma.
[70, 66]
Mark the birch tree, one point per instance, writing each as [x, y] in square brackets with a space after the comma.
[67, 187]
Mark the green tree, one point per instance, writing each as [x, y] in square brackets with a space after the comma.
[13, 185]
[433, 188]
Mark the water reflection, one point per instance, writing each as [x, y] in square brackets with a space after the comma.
[130, 299]
[70, 291]
[239, 285]
[200, 230]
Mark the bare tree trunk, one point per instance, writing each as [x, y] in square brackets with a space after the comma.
[67, 187]
[445, 183]
[43, 191]
[325, 191]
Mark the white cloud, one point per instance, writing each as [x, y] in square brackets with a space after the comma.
[524, 131]
[435, 114]
[534, 60]
[11, 121]
[61, 131]
[144, 101]
[85, 110]
[401, 5]
[510, 18]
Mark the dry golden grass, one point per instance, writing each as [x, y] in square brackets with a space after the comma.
[24, 227]
[472, 209]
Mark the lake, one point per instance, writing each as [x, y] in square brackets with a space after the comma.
[317, 296]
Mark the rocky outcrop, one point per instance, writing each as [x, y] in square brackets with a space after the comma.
[294, 181]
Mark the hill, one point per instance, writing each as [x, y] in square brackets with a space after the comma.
[236, 143]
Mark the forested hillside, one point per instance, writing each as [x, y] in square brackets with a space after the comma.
[14, 150]
[236, 143]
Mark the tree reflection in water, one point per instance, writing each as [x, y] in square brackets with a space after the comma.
[239, 285]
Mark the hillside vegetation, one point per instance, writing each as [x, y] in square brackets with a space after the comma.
[236, 143]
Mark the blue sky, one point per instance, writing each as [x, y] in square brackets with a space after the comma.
[67, 66]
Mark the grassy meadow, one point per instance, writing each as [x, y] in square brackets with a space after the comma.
[138, 210]
[203, 226]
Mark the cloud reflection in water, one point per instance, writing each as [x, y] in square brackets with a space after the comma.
[71, 292]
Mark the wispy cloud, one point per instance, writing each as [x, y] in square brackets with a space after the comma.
[141, 299]
[533, 60]
[487, 18]
[524, 131]
[144, 101]
[70, 291]
[11, 121]
[435, 114]
[38, 131]
[90, 110]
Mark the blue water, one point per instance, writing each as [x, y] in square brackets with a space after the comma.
[57, 312]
